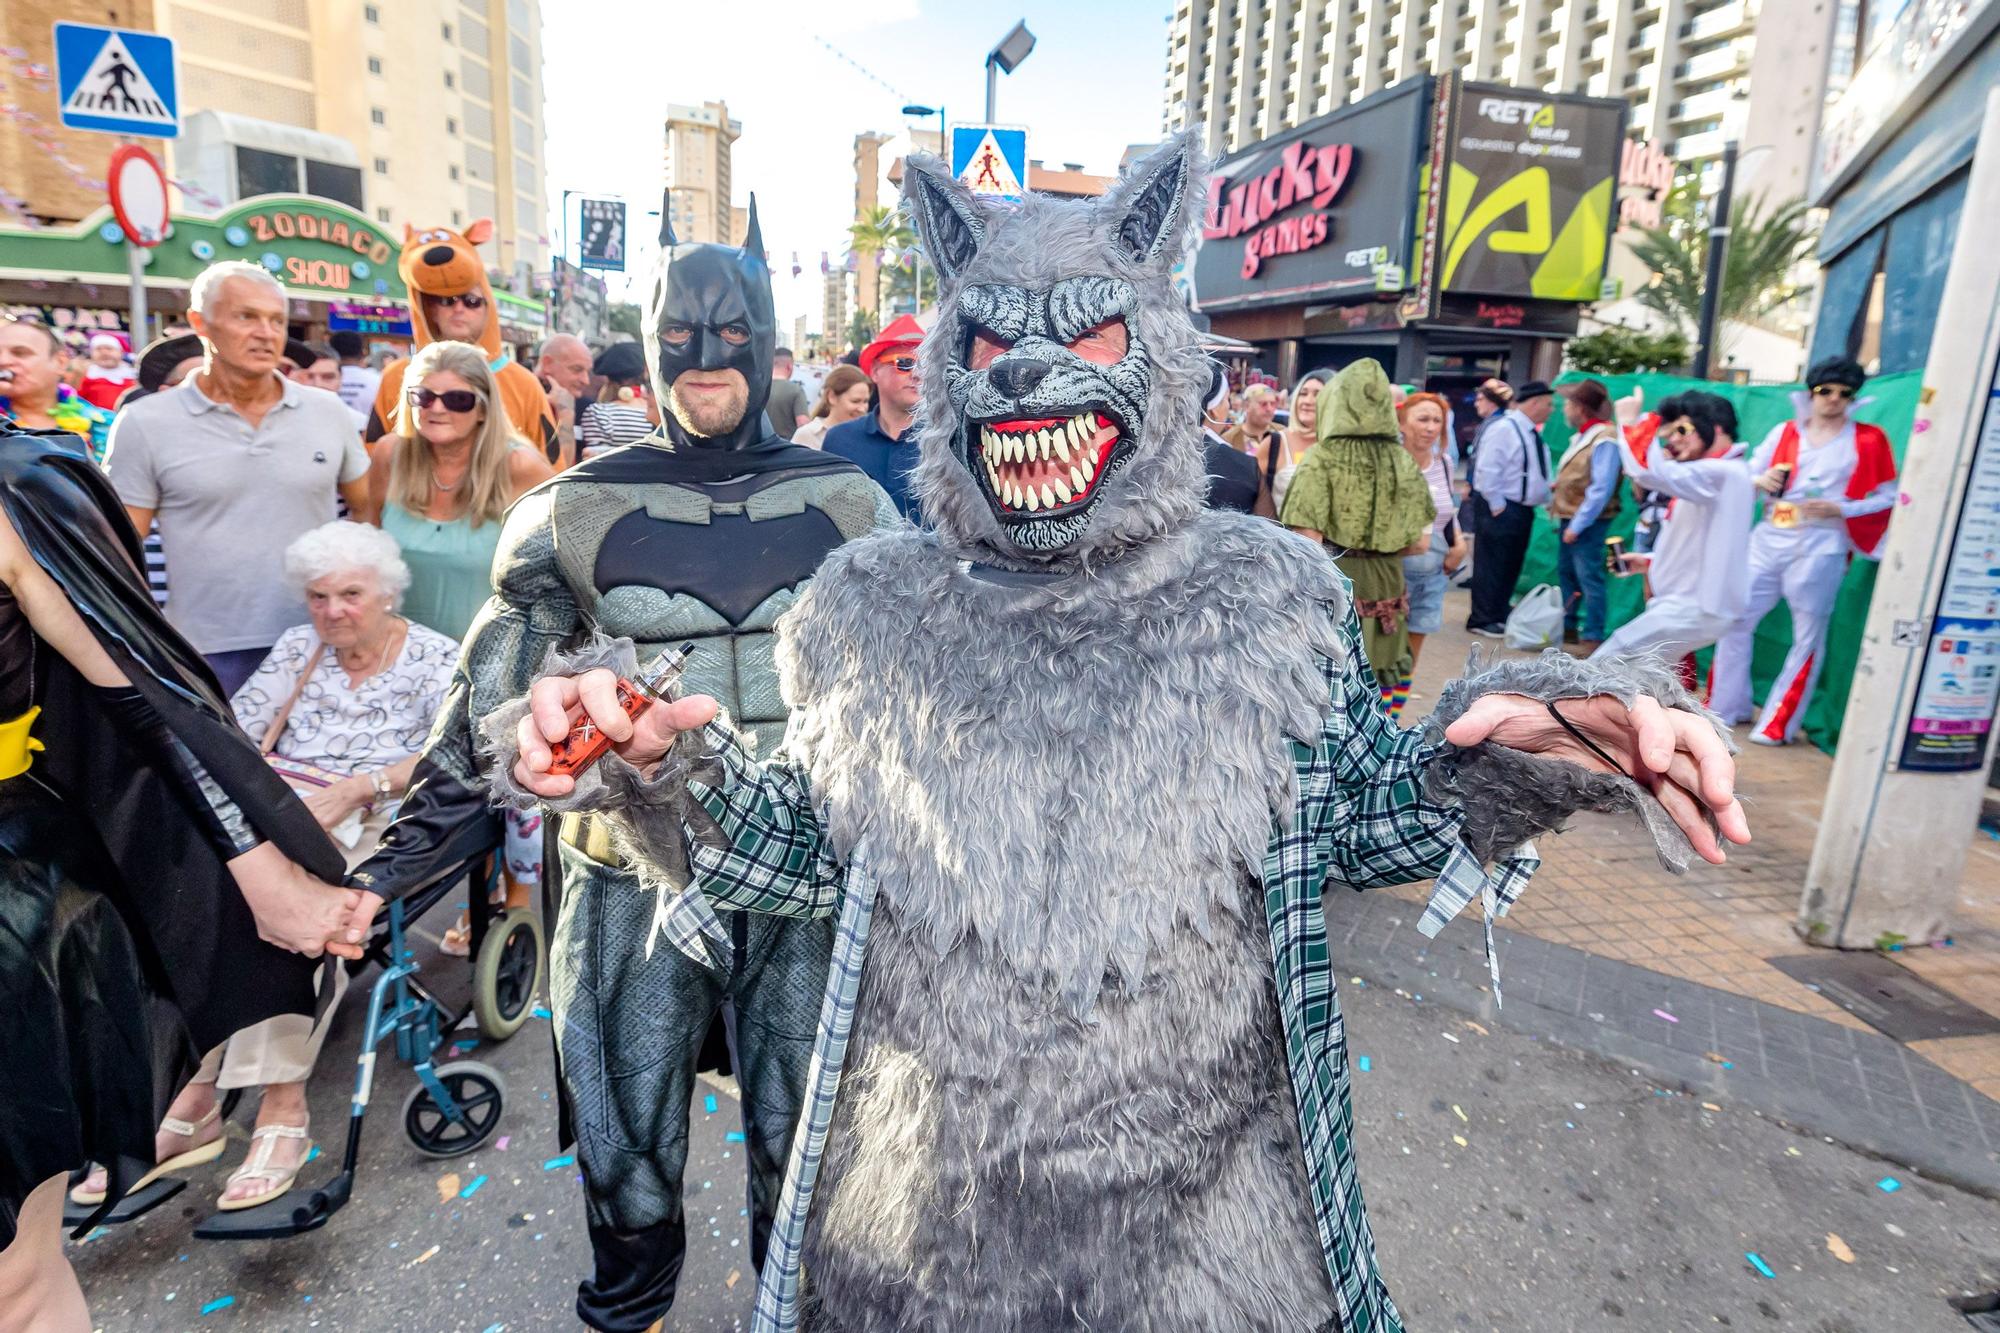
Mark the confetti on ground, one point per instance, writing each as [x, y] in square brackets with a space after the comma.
[1477, 1028]
[708, 1103]
[1661, 1013]
[1710, 1106]
[735, 1275]
[1459, 1139]
[557, 1163]
[425, 1257]
[494, 1328]
[1459, 1113]
[1448, 1037]
[1716, 1059]
[448, 1186]
[1793, 1152]
[1888, 1184]
[1839, 1248]
[1365, 1066]
[501, 1146]
[219, 1303]
[540, 1012]
[473, 1188]
[1758, 1263]
[734, 1136]
[314, 1153]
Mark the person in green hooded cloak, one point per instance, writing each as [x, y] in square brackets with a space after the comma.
[1359, 494]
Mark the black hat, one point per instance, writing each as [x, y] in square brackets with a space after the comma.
[161, 356]
[1532, 389]
[1836, 370]
[299, 354]
[621, 363]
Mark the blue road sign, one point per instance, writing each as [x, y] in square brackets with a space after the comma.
[991, 160]
[117, 81]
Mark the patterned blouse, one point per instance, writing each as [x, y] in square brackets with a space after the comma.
[337, 725]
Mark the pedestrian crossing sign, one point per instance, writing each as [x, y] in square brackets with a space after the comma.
[117, 81]
[991, 160]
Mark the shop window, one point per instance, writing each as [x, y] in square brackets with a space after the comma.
[330, 180]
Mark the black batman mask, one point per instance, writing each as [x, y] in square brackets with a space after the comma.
[712, 311]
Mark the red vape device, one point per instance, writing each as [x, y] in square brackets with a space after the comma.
[585, 744]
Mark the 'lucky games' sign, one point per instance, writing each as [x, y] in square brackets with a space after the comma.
[1326, 208]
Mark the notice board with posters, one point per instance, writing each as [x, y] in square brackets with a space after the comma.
[1530, 192]
[601, 234]
[1320, 211]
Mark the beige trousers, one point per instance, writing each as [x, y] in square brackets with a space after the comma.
[283, 1049]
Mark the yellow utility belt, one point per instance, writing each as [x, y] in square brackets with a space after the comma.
[591, 837]
[17, 747]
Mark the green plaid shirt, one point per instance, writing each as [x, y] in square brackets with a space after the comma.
[1362, 821]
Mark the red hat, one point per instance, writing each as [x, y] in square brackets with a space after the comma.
[903, 331]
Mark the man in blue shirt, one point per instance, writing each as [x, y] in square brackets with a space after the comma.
[1510, 474]
[1583, 499]
[882, 443]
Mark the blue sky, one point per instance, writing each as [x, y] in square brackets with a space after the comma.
[1092, 86]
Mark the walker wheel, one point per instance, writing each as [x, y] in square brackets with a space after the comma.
[479, 1092]
[507, 973]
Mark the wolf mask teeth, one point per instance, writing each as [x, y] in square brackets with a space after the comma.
[1061, 382]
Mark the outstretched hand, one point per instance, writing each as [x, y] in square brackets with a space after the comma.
[642, 742]
[1674, 754]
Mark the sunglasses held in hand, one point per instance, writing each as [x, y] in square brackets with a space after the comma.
[454, 400]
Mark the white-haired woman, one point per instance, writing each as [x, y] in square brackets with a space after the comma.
[443, 480]
[340, 707]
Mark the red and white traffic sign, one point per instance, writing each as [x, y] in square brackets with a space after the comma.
[138, 195]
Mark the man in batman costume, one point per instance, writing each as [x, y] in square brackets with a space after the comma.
[704, 533]
[151, 896]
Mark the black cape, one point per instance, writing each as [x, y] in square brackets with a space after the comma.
[185, 913]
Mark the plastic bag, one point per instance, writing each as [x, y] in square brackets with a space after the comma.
[1538, 621]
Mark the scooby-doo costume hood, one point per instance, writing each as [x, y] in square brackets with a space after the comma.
[439, 262]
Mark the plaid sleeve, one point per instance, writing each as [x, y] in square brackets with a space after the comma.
[772, 856]
[1375, 826]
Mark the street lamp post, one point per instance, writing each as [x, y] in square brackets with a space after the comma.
[1718, 256]
[944, 151]
[1004, 58]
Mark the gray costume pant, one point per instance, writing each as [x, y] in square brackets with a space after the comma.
[629, 1029]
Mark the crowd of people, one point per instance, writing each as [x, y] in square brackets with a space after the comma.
[325, 533]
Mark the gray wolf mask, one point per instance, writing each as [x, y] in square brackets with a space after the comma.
[1062, 382]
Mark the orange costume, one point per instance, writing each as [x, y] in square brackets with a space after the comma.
[440, 262]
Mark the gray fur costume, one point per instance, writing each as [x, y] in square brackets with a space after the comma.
[1070, 770]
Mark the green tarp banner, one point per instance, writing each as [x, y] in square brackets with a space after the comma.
[1889, 402]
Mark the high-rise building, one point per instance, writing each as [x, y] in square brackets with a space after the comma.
[441, 101]
[1692, 69]
[833, 308]
[698, 140]
[868, 167]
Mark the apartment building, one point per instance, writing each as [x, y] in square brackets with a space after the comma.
[1692, 70]
[440, 100]
[698, 144]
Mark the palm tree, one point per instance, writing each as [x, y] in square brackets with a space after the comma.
[884, 232]
[1766, 247]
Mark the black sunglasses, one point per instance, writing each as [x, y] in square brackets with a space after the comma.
[906, 364]
[1832, 391]
[454, 400]
[471, 301]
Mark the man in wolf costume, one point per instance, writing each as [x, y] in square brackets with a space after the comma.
[1070, 772]
[701, 534]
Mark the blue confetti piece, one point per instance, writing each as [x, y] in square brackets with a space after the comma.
[1757, 1262]
[1888, 1184]
[471, 1189]
[539, 1012]
[558, 1163]
[219, 1303]
[1365, 1066]
[708, 1103]
[310, 1157]
[733, 1137]
[1570, 1124]
[494, 1328]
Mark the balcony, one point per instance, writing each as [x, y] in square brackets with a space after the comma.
[1723, 21]
[1698, 147]
[1703, 106]
[1721, 63]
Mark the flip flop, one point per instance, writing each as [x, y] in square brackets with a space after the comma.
[263, 1139]
[201, 1155]
[457, 941]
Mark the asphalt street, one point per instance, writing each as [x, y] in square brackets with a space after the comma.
[1514, 1185]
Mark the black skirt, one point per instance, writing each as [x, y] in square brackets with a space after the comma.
[94, 1049]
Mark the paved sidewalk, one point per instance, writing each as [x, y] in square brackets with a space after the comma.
[1603, 927]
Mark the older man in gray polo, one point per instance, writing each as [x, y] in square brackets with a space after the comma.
[236, 463]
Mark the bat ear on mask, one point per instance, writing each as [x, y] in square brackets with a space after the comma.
[667, 238]
[948, 219]
[1147, 213]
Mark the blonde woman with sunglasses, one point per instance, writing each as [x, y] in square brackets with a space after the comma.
[1827, 483]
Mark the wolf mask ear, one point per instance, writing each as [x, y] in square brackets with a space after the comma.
[1146, 212]
[947, 217]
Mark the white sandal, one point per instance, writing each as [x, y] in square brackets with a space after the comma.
[263, 1140]
[201, 1155]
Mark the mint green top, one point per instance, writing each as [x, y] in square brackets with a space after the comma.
[451, 567]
